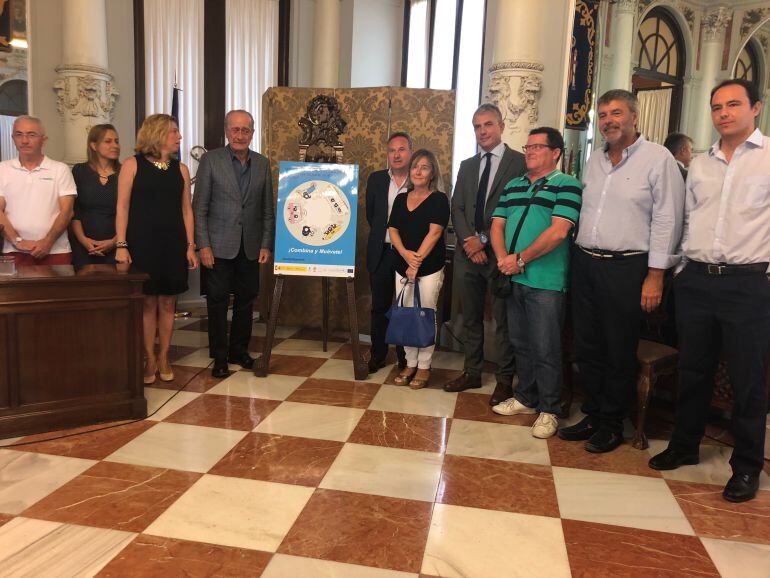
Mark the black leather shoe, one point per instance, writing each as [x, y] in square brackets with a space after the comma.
[465, 381]
[603, 441]
[245, 360]
[671, 459]
[220, 369]
[503, 391]
[375, 365]
[402, 363]
[582, 430]
[741, 488]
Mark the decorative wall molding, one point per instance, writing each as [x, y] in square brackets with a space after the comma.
[629, 6]
[86, 91]
[518, 65]
[752, 20]
[715, 23]
[515, 87]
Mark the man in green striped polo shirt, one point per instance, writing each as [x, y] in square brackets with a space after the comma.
[530, 237]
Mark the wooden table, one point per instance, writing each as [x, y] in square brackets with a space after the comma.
[70, 348]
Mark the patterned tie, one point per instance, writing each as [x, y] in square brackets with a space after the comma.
[481, 196]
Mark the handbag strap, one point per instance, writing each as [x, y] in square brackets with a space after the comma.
[515, 237]
[416, 301]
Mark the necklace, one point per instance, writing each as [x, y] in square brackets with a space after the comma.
[162, 165]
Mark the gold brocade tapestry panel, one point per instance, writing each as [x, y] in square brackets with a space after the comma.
[371, 115]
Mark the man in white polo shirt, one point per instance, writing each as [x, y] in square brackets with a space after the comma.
[36, 199]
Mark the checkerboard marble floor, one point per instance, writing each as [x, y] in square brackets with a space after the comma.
[309, 473]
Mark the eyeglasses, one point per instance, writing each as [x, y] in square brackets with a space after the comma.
[241, 130]
[29, 135]
[536, 147]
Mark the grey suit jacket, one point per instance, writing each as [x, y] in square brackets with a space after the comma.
[467, 185]
[223, 214]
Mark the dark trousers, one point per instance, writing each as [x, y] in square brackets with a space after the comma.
[382, 282]
[730, 314]
[606, 312]
[239, 276]
[472, 283]
[535, 319]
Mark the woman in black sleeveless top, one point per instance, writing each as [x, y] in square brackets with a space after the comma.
[92, 230]
[154, 225]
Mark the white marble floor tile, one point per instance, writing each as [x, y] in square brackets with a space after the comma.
[465, 542]
[190, 338]
[714, 467]
[307, 420]
[488, 384]
[495, 441]
[283, 566]
[200, 358]
[281, 332]
[343, 369]
[245, 384]
[157, 397]
[430, 402]
[39, 548]
[619, 500]
[184, 322]
[177, 446]
[306, 348]
[9, 441]
[448, 360]
[739, 559]
[233, 512]
[392, 472]
[27, 477]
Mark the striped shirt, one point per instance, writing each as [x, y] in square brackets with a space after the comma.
[555, 195]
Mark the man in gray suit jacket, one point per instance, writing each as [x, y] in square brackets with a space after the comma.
[480, 181]
[234, 229]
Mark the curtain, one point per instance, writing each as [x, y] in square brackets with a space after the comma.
[654, 110]
[173, 48]
[252, 56]
[7, 148]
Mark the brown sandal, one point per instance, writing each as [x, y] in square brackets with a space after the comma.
[419, 383]
[405, 377]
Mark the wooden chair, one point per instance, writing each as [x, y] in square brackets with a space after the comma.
[655, 361]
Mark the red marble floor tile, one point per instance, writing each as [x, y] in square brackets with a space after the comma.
[112, 495]
[713, 517]
[295, 365]
[194, 379]
[356, 394]
[361, 529]
[166, 557]
[403, 431]
[475, 406]
[275, 458]
[438, 377]
[90, 446]
[176, 352]
[602, 550]
[5, 518]
[498, 485]
[224, 411]
[257, 343]
[624, 460]
[314, 334]
[346, 352]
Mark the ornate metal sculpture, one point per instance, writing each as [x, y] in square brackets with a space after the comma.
[321, 127]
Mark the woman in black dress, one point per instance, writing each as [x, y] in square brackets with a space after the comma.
[92, 231]
[154, 224]
[416, 226]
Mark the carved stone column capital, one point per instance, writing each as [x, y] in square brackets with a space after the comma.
[514, 86]
[625, 7]
[715, 23]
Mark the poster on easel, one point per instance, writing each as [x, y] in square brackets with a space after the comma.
[316, 219]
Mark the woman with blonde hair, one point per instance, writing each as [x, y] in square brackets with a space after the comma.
[92, 230]
[154, 225]
[416, 226]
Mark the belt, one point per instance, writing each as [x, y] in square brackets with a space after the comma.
[602, 254]
[725, 269]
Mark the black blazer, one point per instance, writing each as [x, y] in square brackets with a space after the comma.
[464, 195]
[377, 216]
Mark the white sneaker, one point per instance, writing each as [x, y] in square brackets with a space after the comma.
[513, 406]
[545, 426]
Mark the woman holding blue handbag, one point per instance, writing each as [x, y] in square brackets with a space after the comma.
[416, 227]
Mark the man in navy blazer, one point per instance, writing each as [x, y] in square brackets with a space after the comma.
[381, 190]
[234, 229]
[480, 181]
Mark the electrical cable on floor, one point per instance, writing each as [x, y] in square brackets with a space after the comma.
[61, 437]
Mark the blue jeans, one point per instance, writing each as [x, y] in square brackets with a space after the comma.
[535, 318]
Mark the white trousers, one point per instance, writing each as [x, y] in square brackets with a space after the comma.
[430, 287]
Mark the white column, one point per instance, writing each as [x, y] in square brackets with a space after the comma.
[326, 44]
[713, 31]
[84, 89]
[764, 116]
[622, 34]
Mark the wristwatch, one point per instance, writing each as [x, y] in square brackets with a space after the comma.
[520, 262]
[16, 241]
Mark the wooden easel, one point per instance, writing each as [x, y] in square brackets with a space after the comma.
[360, 369]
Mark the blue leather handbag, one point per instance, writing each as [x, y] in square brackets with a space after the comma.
[411, 326]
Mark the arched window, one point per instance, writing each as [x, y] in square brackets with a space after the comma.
[13, 98]
[747, 65]
[661, 57]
